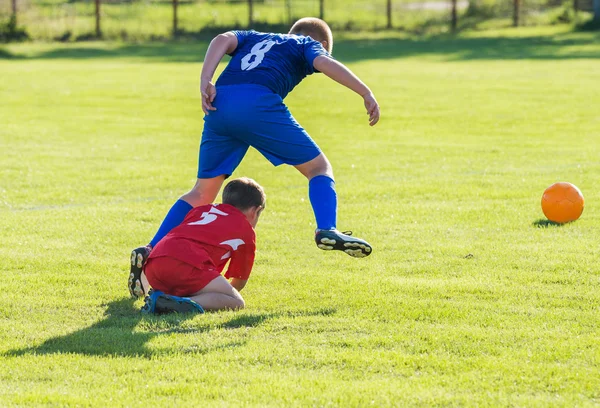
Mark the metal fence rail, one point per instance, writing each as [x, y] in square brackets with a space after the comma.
[151, 19]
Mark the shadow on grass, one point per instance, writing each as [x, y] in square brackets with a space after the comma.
[118, 333]
[553, 47]
[4, 54]
[544, 223]
[556, 47]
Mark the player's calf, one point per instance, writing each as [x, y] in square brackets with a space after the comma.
[330, 240]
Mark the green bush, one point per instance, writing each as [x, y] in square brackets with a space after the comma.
[562, 15]
[590, 25]
[482, 9]
[9, 31]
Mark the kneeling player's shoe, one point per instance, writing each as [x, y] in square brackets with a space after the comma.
[158, 302]
[139, 256]
[342, 241]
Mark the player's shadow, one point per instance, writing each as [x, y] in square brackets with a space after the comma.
[544, 223]
[118, 333]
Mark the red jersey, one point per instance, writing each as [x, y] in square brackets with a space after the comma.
[212, 234]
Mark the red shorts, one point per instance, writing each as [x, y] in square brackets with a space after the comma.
[174, 277]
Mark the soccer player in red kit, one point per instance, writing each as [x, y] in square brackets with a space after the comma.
[184, 269]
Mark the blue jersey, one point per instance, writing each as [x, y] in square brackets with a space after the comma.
[276, 61]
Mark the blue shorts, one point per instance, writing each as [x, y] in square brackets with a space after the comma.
[251, 115]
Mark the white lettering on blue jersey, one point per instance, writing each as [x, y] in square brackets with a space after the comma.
[258, 51]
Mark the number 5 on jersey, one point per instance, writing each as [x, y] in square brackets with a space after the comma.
[208, 217]
[258, 52]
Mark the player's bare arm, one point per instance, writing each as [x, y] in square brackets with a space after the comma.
[222, 44]
[341, 74]
[238, 283]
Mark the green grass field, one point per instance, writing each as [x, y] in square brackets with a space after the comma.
[469, 299]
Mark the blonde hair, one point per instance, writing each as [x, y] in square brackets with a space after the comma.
[314, 28]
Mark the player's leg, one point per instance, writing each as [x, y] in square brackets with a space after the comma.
[144, 281]
[323, 198]
[180, 287]
[281, 139]
[219, 156]
[204, 192]
[219, 295]
[321, 190]
[170, 279]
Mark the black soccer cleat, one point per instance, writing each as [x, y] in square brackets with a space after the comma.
[329, 240]
[159, 303]
[139, 256]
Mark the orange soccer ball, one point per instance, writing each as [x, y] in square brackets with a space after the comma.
[562, 202]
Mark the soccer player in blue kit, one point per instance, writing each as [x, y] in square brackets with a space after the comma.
[245, 108]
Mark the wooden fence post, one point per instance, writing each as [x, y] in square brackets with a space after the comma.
[175, 29]
[288, 9]
[321, 9]
[516, 12]
[389, 13]
[98, 30]
[250, 14]
[14, 12]
[454, 15]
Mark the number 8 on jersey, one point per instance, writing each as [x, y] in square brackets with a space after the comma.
[258, 51]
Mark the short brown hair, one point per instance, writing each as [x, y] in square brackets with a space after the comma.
[314, 28]
[244, 193]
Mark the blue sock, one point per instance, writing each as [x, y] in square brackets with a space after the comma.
[323, 198]
[174, 217]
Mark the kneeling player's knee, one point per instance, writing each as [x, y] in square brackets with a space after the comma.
[239, 301]
[235, 303]
[240, 304]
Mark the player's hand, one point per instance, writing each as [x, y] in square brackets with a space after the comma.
[372, 108]
[209, 92]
